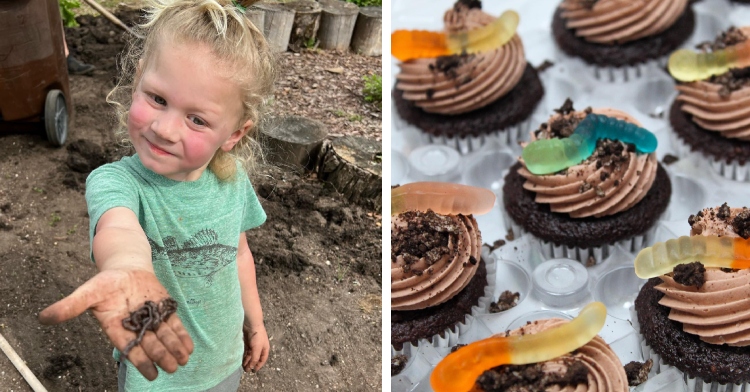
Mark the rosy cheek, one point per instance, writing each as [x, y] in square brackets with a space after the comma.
[197, 147]
[139, 115]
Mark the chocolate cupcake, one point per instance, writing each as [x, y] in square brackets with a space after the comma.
[618, 39]
[464, 100]
[615, 196]
[696, 318]
[438, 277]
[592, 367]
[711, 118]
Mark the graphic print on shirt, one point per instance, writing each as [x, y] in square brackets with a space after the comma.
[200, 256]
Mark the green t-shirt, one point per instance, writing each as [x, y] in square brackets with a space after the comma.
[194, 230]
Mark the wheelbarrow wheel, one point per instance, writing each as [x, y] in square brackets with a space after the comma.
[56, 117]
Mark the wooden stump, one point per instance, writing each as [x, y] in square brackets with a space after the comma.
[293, 142]
[306, 23]
[352, 164]
[368, 32]
[277, 26]
[257, 16]
[337, 22]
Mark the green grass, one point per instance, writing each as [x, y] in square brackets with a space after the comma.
[373, 90]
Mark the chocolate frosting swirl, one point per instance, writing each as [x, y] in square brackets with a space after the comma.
[438, 275]
[617, 21]
[458, 84]
[715, 110]
[606, 372]
[719, 311]
[592, 188]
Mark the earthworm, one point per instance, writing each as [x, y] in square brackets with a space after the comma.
[147, 318]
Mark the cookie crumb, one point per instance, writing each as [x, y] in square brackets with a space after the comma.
[398, 363]
[637, 372]
[669, 159]
[506, 301]
[741, 224]
[510, 236]
[690, 274]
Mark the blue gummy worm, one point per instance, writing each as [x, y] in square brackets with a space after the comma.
[552, 155]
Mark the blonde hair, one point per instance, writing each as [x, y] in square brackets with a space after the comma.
[233, 40]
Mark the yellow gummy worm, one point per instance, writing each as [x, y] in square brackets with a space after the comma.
[414, 44]
[712, 251]
[688, 66]
[441, 197]
[459, 370]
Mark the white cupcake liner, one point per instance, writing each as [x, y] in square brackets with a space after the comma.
[449, 337]
[612, 74]
[694, 384]
[731, 171]
[509, 137]
[551, 250]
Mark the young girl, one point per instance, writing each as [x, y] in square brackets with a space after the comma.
[169, 221]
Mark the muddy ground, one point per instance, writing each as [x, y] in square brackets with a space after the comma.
[318, 256]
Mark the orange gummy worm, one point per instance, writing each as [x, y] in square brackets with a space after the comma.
[441, 197]
[414, 44]
[459, 370]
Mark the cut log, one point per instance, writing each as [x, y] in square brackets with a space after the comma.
[277, 25]
[337, 21]
[293, 142]
[352, 164]
[306, 23]
[368, 32]
[257, 16]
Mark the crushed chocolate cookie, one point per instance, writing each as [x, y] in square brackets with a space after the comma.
[588, 3]
[599, 191]
[546, 64]
[532, 377]
[741, 224]
[468, 4]
[690, 274]
[398, 363]
[497, 244]
[637, 372]
[669, 159]
[724, 212]
[510, 236]
[567, 107]
[426, 235]
[585, 186]
[472, 260]
[603, 176]
[610, 153]
[563, 127]
[430, 92]
[506, 301]
[456, 347]
[732, 36]
[448, 65]
[731, 81]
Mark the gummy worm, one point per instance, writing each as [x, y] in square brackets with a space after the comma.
[441, 197]
[688, 66]
[459, 370]
[552, 155]
[712, 251]
[413, 44]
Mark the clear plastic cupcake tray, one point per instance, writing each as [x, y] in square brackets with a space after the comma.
[549, 282]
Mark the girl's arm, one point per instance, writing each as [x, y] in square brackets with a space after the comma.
[257, 345]
[125, 281]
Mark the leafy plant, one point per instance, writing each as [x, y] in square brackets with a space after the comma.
[366, 3]
[373, 90]
[54, 219]
[66, 11]
[310, 43]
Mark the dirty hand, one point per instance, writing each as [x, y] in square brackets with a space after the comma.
[112, 295]
[257, 347]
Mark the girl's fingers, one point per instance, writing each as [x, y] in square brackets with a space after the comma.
[263, 358]
[173, 344]
[143, 363]
[157, 353]
[175, 324]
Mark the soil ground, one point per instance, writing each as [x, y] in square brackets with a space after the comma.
[318, 255]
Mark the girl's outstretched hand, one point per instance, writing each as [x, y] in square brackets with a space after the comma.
[257, 347]
[112, 295]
